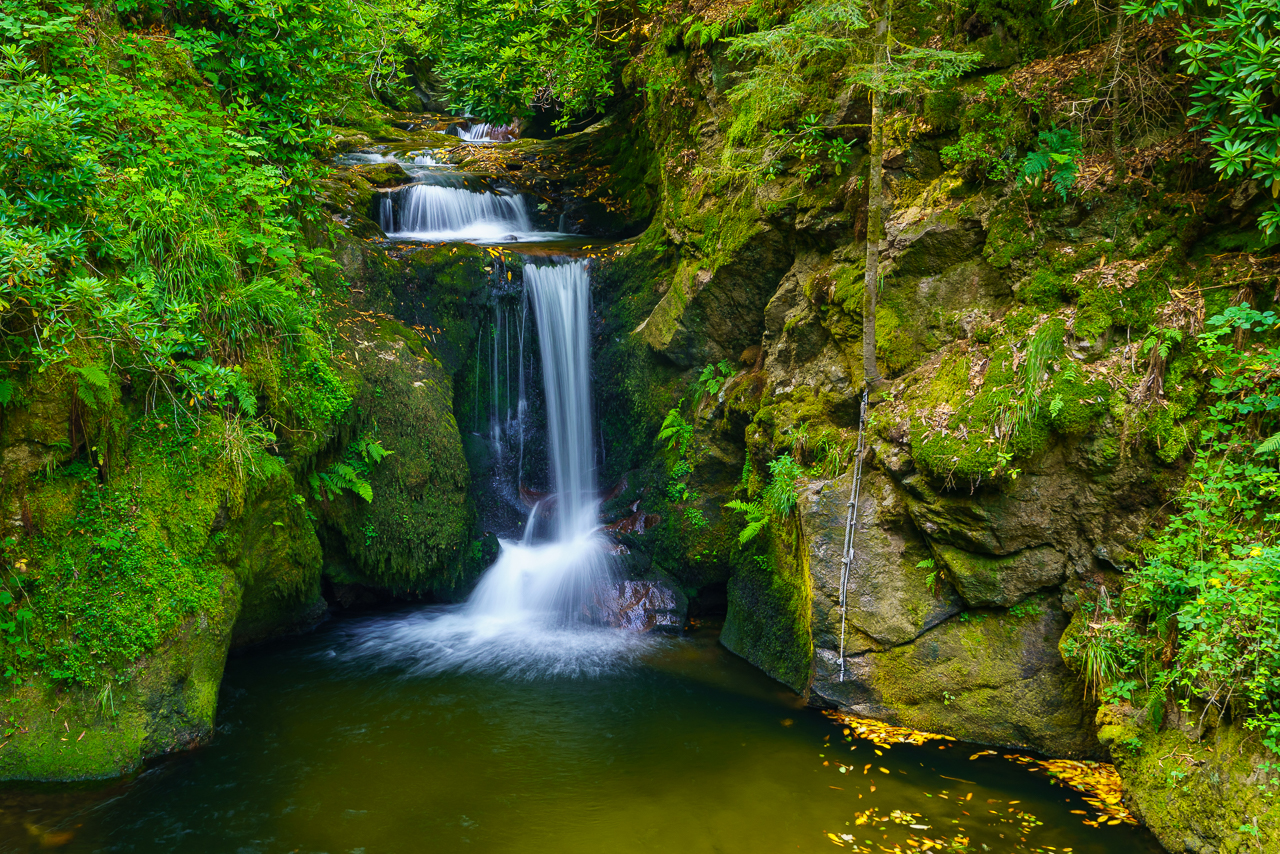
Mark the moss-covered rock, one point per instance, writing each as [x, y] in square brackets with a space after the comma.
[768, 621]
[993, 677]
[410, 537]
[1212, 794]
[890, 598]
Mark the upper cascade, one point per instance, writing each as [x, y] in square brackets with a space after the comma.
[434, 213]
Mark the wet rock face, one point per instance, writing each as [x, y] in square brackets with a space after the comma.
[642, 606]
[888, 596]
[912, 654]
[967, 643]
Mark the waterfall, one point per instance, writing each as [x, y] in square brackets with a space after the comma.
[533, 612]
[434, 213]
[559, 580]
[561, 298]
[476, 133]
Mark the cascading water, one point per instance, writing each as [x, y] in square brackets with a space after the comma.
[438, 214]
[536, 610]
[480, 132]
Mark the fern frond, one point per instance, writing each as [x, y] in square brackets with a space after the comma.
[1268, 446]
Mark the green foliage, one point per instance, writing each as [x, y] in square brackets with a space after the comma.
[1107, 650]
[695, 517]
[780, 495]
[143, 221]
[1211, 580]
[712, 379]
[757, 518]
[277, 62]
[1233, 55]
[352, 472]
[821, 34]
[786, 55]
[777, 500]
[703, 33]
[1055, 161]
[813, 145]
[676, 433]
[994, 128]
[498, 60]
[934, 579]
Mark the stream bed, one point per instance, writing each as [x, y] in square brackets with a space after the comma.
[666, 745]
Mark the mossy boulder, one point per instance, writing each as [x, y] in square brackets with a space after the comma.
[768, 622]
[151, 566]
[712, 307]
[989, 676]
[1003, 580]
[410, 537]
[1202, 792]
[890, 599]
[167, 704]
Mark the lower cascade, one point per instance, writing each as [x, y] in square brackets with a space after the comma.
[539, 608]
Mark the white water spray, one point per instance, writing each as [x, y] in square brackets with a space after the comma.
[536, 610]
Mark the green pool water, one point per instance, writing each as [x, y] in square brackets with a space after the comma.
[675, 746]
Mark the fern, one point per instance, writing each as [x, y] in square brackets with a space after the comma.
[1055, 160]
[94, 388]
[1268, 446]
[757, 518]
[352, 472]
[780, 495]
[675, 431]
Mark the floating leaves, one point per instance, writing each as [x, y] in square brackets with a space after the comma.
[1097, 781]
[883, 734]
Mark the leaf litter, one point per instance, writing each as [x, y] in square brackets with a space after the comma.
[1098, 782]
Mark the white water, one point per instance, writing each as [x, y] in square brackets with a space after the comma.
[446, 214]
[476, 133]
[533, 611]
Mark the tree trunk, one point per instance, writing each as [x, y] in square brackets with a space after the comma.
[875, 236]
[1117, 96]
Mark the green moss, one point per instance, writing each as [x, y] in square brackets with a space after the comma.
[1195, 795]
[411, 535]
[770, 611]
[1009, 237]
[1043, 289]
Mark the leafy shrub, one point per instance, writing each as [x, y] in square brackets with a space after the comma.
[1234, 58]
[1211, 580]
[498, 60]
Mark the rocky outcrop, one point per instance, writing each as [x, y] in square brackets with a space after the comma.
[1202, 785]
[993, 502]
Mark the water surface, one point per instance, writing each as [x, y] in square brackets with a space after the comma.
[681, 747]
